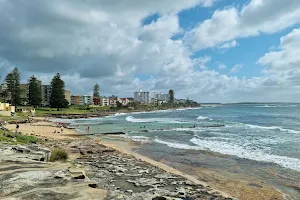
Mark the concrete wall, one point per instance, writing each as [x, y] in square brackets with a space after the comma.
[5, 113]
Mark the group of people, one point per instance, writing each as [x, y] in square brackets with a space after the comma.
[59, 125]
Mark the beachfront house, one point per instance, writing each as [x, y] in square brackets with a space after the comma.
[26, 109]
[6, 109]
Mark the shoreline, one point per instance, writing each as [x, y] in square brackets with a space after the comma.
[46, 130]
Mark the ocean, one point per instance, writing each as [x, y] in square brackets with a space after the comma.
[251, 139]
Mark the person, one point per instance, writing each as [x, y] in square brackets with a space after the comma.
[17, 128]
[88, 128]
[61, 129]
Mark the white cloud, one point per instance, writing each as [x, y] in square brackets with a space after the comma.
[259, 16]
[287, 58]
[228, 45]
[222, 66]
[105, 42]
[236, 68]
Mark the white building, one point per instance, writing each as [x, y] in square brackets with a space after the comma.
[85, 100]
[104, 101]
[143, 97]
[162, 97]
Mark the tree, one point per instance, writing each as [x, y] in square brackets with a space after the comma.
[57, 98]
[171, 93]
[12, 80]
[96, 90]
[35, 92]
[119, 104]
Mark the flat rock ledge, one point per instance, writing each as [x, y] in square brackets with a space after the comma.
[94, 172]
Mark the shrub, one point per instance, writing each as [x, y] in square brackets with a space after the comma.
[58, 154]
[17, 138]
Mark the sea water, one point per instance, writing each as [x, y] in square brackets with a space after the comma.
[257, 134]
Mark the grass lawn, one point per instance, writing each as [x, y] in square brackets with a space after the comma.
[72, 110]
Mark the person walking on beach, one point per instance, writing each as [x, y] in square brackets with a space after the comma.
[61, 129]
[88, 129]
[17, 128]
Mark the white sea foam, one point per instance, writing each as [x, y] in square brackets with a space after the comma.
[272, 128]
[236, 150]
[150, 120]
[266, 106]
[204, 118]
[276, 106]
[177, 145]
[142, 139]
[278, 128]
[248, 153]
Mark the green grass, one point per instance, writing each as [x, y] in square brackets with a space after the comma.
[58, 155]
[17, 138]
[71, 110]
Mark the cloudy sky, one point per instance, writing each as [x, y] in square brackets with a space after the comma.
[207, 50]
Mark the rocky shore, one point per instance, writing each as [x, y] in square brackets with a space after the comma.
[93, 171]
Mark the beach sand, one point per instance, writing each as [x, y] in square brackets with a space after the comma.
[227, 187]
[43, 129]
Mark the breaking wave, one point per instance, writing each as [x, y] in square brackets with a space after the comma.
[152, 120]
[204, 118]
[236, 150]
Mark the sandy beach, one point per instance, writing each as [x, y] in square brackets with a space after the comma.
[214, 180]
[43, 129]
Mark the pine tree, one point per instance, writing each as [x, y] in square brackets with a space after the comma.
[13, 83]
[96, 90]
[35, 92]
[171, 94]
[57, 98]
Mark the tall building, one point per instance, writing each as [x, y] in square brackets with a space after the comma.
[68, 96]
[143, 97]
[75, 100]
[162, 97]
[46, 93]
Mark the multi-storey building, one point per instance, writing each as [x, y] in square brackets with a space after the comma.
[75, 100]
[68, 96]
[46, 93]
[143, 97]
[104, 101]
[162, 97]
[83, 100]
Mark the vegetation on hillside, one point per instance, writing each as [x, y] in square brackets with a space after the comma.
[17, 138]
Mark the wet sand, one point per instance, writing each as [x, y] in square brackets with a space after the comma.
[242, 187]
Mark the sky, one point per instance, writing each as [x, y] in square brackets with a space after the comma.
[207, 50]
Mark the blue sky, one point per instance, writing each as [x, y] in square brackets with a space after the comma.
[209, 50]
